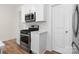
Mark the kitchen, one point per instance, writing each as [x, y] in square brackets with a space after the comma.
[40, 28]
[31, 16]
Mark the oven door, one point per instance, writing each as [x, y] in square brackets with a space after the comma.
[25, 41]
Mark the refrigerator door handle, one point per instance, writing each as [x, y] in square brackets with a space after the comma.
[74, 25]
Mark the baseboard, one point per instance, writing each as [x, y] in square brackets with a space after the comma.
[66, 50]
[10, 39]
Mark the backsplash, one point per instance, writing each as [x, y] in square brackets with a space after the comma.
[42, 25]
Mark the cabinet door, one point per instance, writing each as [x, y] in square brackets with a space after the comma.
[22, 14]
[35, 42]
[39, 8]
[25, 9]
[42, 42]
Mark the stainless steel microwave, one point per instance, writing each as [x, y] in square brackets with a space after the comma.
[31, 17]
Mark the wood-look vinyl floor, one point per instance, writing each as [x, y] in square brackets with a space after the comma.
[11, 47]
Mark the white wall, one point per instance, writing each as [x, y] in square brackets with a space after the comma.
[7, 22]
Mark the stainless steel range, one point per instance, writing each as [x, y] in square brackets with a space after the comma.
[25, 37]
[25, 40]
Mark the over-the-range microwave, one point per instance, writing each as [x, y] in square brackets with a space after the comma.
[31, 17]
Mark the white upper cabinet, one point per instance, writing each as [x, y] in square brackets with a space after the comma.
[39, 9]
[25, 9]
[29, 8]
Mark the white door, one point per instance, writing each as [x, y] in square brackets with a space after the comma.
[61, 27]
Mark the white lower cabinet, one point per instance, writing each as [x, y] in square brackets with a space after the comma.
[38, 42]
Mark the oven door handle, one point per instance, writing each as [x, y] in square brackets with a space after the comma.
[25, 34]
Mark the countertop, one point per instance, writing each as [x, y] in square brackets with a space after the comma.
[40, 31]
